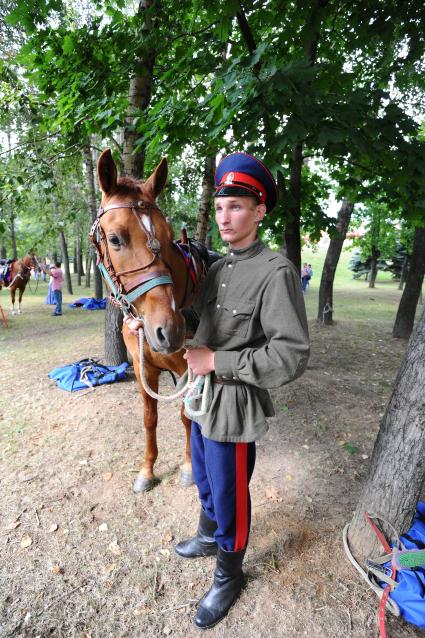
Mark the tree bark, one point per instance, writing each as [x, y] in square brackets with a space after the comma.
[397, 470]
[325, 310]
[3, 252]
[65, 257]
[115, 350]
[405, 318]
[92, 208]
[139, 96]
[373, 266]
[206, 197]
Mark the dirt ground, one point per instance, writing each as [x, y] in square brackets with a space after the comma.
[82, 556]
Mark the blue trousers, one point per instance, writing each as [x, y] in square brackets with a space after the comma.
[222, 472]
[57, 295]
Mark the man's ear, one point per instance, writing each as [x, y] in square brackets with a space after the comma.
[261, 211]
[107, 172]
[156, 182]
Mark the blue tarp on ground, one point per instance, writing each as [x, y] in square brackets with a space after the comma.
[71, 377]
[89, 303]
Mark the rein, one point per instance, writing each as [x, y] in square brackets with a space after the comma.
[194, 389]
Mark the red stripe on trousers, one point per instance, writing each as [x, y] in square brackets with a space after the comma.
[241, 496]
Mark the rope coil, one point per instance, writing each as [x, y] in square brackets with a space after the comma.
[193, 389]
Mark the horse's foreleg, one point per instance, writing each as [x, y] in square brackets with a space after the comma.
[21, 292]
[146, 478]
[186, 469]
[12, 298]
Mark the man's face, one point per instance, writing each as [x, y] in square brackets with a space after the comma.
[237, 219]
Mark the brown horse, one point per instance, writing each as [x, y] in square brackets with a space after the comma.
[20, 273]
[150, 281]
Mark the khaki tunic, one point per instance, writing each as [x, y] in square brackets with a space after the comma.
[252, 313]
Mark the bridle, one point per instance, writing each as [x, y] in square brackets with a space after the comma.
[122, 294]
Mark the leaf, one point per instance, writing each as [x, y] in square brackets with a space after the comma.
[53, 528]
[107, 476]
[67, 44]
[350, 448]
[103, 527]
[56, 569]
[273, 495]
[26, 541]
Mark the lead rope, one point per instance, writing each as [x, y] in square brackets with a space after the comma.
[192, 390]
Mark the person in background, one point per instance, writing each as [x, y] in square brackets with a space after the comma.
[56, 275]
[305, 276]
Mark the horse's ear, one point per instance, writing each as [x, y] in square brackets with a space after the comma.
[156, 182]
[107, 171]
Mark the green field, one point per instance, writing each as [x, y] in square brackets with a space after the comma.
[353, 299]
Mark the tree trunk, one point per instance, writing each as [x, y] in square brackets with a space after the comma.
[75, 264]
[78, 259]
[373, 266]
[405, 318]
[325, 310]
[404, 271]
[206, 197]
[293, 227]
[13, 234]
[55, 256]
[139, 96]
[88, 266]
[115, 350]
[89, 170]
[397, 470]
[3, 252]
[65, 257]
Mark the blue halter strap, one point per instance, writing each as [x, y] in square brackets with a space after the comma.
[120, 295]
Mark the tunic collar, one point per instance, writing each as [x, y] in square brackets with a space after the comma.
[245, 253]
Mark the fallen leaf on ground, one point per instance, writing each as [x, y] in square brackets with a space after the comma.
[26, 541]
[272, 494]
[53, 528]
[166, 631]
[109, 584]
[168, 537]
[164, 552]
[114, 548]
[103, 527]
[57, 569]
[289, 477]
[107, 476]
[12, 526]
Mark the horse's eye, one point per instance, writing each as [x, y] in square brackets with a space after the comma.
[114, 240]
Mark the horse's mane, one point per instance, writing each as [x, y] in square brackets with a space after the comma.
[128, 186]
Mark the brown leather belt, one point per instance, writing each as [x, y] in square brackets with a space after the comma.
[226, 381]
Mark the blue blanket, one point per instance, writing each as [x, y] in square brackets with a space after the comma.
[85, 374]
[89, 303]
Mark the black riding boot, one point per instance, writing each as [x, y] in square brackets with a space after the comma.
[203, 544]
[228, 582]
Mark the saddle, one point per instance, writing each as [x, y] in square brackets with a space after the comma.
[5, 271]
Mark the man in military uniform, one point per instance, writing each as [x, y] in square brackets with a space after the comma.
[252, 336]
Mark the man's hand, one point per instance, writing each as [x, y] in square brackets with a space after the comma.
[201, 359]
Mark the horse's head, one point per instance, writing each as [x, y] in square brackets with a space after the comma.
[135, 246]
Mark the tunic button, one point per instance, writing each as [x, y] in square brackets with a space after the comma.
[232, 254]
[234, 312]
[224, 376]
[235, 378]
[224, 285]
[229, 265]
[218, 305]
